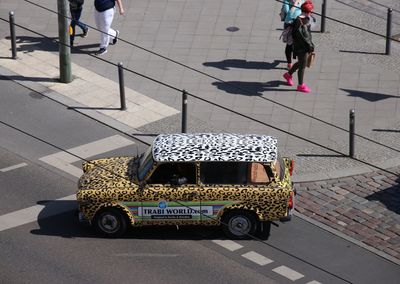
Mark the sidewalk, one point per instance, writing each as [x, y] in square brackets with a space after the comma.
[363, 206]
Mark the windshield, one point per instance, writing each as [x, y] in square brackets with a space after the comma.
[145, 163]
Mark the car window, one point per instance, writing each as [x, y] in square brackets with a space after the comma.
[178, 173]
[145, 163]
[223, 172]
[257, 174]
[280, 167]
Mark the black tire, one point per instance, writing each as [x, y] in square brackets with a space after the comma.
[110, 222]
[239, 224]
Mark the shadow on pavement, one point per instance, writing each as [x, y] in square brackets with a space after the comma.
[59, 218]
[30, 44]
[322, 155]
[32, 79]
[83, 49]
[249, 88]
[94, 108]
[386, 130]
[362, 52]
[244, 64]
[389, 197]
[368, 96]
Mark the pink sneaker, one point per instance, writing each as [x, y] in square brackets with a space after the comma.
[303, 88]
[288, 78]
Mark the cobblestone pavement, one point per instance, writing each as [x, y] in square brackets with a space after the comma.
[364, 207]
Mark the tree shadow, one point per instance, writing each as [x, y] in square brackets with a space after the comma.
[389, 197]
[249, 88]
[227, 64]
[369, 96]
[59, 218]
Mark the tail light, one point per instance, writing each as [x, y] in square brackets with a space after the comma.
[291, 168]
[290, 202]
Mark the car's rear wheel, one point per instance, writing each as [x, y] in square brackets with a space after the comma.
[239, 224]
[110, 222]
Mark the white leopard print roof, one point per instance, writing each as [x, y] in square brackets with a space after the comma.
[214, 147]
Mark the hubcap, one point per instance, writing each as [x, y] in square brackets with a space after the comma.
[239, 225]
[109, 223]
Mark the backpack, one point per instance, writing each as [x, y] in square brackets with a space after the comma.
[286, 35]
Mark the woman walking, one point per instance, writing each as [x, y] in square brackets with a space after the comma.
[103, 16]
[302, 46]
[291, 10]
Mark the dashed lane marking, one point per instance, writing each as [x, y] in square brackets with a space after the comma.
[229, 245]
[63, 160]
[257, 258]
[13, 167]
[288, 273]
[31, 214]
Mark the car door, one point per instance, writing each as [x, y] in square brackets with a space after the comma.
[170, 195]
[222, 185]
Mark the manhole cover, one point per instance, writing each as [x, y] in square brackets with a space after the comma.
[232, 29]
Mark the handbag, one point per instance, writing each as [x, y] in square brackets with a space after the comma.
[310, 59]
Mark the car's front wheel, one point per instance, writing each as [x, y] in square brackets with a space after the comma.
[110, 222]
[239, 224]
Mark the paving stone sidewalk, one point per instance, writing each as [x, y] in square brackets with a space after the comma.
[364, 207]
[350, 72]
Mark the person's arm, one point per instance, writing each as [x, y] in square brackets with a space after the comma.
[120, 7]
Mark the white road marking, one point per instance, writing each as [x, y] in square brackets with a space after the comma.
[229, 245]
[31, 214]
[13, 167]
[63, 161]
[257, 258]
[288, 273]
[313, 282]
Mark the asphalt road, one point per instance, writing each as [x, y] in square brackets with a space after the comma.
[54, 247]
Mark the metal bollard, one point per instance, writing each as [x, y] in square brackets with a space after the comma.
[184, 111]
[12, 35]
[121, 85]
[388, 31]
[351, 133]
[323, 15]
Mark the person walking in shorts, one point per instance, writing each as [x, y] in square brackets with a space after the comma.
[103, 16]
